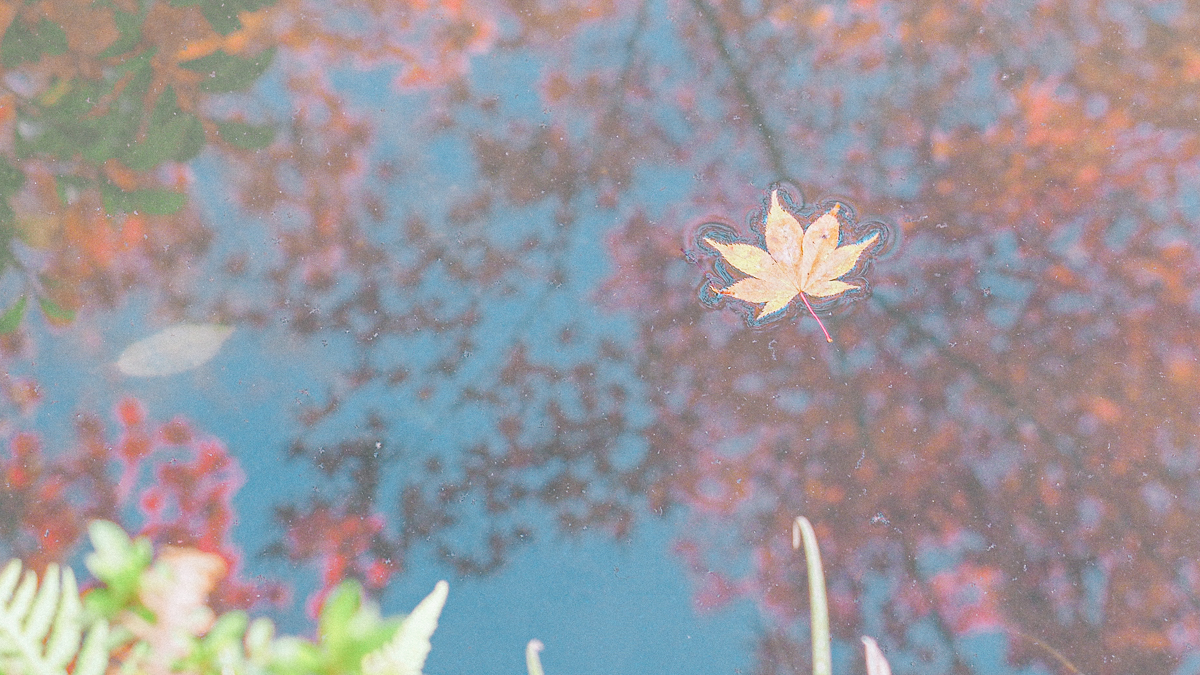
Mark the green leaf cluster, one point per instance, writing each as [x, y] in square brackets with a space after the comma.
[348, 629]
[41, 627]
[222, 15]
[112, 110]
[119, 563]
[227, 72]
[25, 42]
[10, 320]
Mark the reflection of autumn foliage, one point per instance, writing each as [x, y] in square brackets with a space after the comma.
[1008, 427]
[972, 441]
[102, 105]
[943, 446]
[47, 498]
[1002, 437]
[344, 544]
[39, 519]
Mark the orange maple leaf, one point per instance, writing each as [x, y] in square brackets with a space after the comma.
[797, 261]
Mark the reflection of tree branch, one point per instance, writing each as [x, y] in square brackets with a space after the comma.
[639, 27]
[976, 489]
[32, 280]
[910, 554]
[1010, 400]
[744, 91]
[981, 378]
[559, 237]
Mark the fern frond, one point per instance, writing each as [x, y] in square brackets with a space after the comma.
[405, 653]
[41, 627]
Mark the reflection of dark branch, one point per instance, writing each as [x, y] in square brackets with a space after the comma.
[1010, 400]
[9, 259]
[981, 378]
[744, 91]
[909, 554]
[639, 27]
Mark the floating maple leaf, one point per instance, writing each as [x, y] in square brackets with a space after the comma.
[797, 261]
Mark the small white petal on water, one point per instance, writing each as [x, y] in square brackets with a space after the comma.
[173, 350]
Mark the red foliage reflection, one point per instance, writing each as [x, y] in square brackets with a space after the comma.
[47, 498]
[1002, 438]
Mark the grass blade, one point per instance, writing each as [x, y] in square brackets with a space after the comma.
[532, 663]
[802, 530]
[876, 663]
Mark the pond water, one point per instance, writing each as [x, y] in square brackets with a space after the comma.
[463, 290]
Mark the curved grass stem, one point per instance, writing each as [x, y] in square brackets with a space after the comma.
[802, 531]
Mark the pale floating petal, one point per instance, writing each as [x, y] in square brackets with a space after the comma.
[405, 654]
[837, 262]
[825, 289]
[820, 239]
[876, 664]
[784, 234]
[749, 259]
[173, 350]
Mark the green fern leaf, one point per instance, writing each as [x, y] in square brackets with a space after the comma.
[64, 637]
[93, 658]
[405, 653]
[41, 614]
[41, 627]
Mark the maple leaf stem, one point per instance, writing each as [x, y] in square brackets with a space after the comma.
[810, 311]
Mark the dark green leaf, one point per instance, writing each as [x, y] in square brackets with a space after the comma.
[191, 139]
[170, 135]
[109, 134]
[12, 318]
[11, 178]
[179, 132]
[222, 17]
[23, 42]
[246, 136]
[54, 311]
[225, 72]
[7, 218]
[129, 24]
[152, 201]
